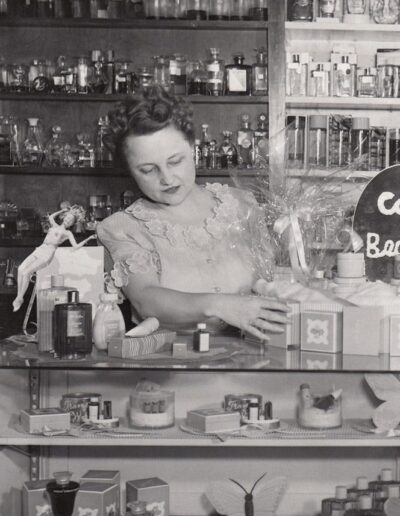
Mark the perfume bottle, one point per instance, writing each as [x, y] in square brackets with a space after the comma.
[259, 77]
[245, 139]
[161, 72]
[359, 139]
[356, 6]
[197, 157]
[261, 145]
[366, 83]
[47, 298]
[177, 72]
[339, 504]
[344, 78]
[122, 78]
[215, 73]
[317, 141]
[238, 76]
[72, 327]
[103, 156]
[300, 10]
[296, 77]
[384, 11]
[197, 9]
[385, 81]
[228, 151]
[83, 75]
[110, 72]
[327, 8]
[197, 79]
[377, 148]
[339, 140]
[364, 508]
[219, 10]
[295, 130]
[98, 79]
[62, 491]
[319, 83]
[54, 150]
[108, 321]
[361, 489]
[214, 161]
[205, 146]
[32, 147]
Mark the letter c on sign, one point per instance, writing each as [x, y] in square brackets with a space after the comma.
[385, 196]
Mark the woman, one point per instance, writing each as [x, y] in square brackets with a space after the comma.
[43, 255]
[181, 252]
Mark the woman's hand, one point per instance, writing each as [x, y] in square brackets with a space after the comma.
[253, 314]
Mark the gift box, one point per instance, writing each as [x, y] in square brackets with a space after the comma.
[321, 327]
[97, 498]
[394, 335]
[362, 330]
[103, 476]
[35, 420]
[35, 500]
[291, 333]
[312, 361]
[212, 420]
[131, 347]
[153, 491]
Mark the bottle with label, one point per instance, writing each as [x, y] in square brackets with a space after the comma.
[93, 409]
[47, 298]
[296, 77]
[300, 10]
[366, 82]
[319, 83]
[238, 76]
[205, 146]
[215, 74]
[327, 8]
[384, 12]
[108, 321]
[339, 504]
[123, 78]
[261, 144]
[73, 327]
[344, 78]
[103, 156]
[364, 508]
[201, 339]
[228, 151]
[295, 130]
[245, 138]
[197, 79]
[317, 135]
[259, 76]
[177, 72]
[359, 140]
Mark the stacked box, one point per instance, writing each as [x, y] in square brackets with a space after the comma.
[321, 327]
[34, 421]
[362, 330]
[35, 500]
[108, 477]
[97, 498]
[131, 347]
[153, 491]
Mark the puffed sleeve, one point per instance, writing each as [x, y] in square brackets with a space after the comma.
[131, 252]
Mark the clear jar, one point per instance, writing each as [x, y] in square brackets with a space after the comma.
[219, 10]
[197, 9]
[161, 72]
[317, 141]
[177, 71]
[83, 74]
[385, 11]
[240, 10]
[295, 130]
[258, 10]
[215, 74]
[360, 142]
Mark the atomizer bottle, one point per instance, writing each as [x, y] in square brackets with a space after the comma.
[108, 321]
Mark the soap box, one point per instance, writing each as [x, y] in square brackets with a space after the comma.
[321, 327]
[103, 476]
[35, 500]
[131, 347]
[153, 491]
[97, 498]
[362, 330]
[33, 420]
[212, 420]
[291, 334]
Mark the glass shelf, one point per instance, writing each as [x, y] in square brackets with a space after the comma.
[239, 355]
[349, 103]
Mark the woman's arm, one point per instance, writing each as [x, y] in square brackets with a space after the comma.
[75, 244]
[53, 215]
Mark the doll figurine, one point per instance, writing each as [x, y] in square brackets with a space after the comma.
[43, 255]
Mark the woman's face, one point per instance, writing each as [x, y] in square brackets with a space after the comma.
[162, 165]
[69, 220]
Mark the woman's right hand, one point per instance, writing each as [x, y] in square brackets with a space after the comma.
[252, 314]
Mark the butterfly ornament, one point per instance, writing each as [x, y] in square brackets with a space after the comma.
[386, 388]
[262, 500]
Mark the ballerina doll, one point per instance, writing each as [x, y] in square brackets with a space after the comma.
[44, 254]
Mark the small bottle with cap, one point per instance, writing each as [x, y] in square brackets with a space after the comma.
[364, 508]
[201, 339]
[338, 504]
[62, 491]
[361, 488]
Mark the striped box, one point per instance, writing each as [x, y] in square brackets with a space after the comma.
[131, 347]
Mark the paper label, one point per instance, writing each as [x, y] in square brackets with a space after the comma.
[237, 80]
[75, 323]
[215, 68]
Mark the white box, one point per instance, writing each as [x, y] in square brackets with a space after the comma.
[34, 420]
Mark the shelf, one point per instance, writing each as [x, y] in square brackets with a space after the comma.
[310, 30]
[128, 23]
[356, 103]
[331, 174]
[98, 97]
[292, 437]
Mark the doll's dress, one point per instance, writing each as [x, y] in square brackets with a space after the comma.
[216, 256]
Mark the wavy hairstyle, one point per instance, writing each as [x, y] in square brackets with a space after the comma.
[144, 113]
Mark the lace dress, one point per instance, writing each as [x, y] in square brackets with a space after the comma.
[215, 256]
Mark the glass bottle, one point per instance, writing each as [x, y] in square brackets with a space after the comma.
[215, 73]
[317, 136]
[197, 157]
[261, 144]
[98, 82]
[58, 79]
[390, 491]
[62, 9]
[238, 76]
[339, 141]
[161, 72]
[258, 10]
[32, 148]
[98, 9]
[300, 10]
[359, 139]
[27, 8]
[145, 77]
[295, 130]
[344, 78]
[3, 75]
[361, 489]
[219, 10]
[177, 72]
[109, 69]
[385, 11]
[205, 146]
[214, 161]
[394, 146]
[197, 9]
[116, 9]
[197, 79]
[296, 77]
[47, 298]
[356, 6]
[80, 8]
[377, 148]
[385, 75]
[54, 149]
[240, 10]
[364, 508]
[366, 83]
[18, 78]
[245, 138]
[5, 141]
[134, 8]
[83, 75]
[228, 151]
[70, 84]
[108, 322]
[337, 505]
[45, 8]
[16, 140]
[103, 155]
[327, 8]
[122, 78]
[72, 327]
[319, 83]
[259, 77]
[86, 157]
[41, 83]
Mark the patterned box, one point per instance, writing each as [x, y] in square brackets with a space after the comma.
[97, 499]
[291, 335]
[321, 327]
[394, 335]
[104, 476]
[362, 330]
[35, 500]
[131, 347]
[313, 361]
[153, 491]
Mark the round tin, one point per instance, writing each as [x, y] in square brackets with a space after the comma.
[76, 403]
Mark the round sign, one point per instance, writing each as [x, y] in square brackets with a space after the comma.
[377, 221]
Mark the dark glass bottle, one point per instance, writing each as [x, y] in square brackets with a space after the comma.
[238, 77]
[62, 491]
[73, 327]
[197, 79]
[300, 10]
[228, 151]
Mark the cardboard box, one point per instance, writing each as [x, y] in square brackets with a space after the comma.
[131, 347]
[35, 500]
[97, 496]
[321, 329]
[313, 361]
[34, 420]
[153, 491]
[291, 335]
[104, 476]
[362, 330]
[212, 420]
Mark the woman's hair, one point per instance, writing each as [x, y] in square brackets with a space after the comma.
[144, 113]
